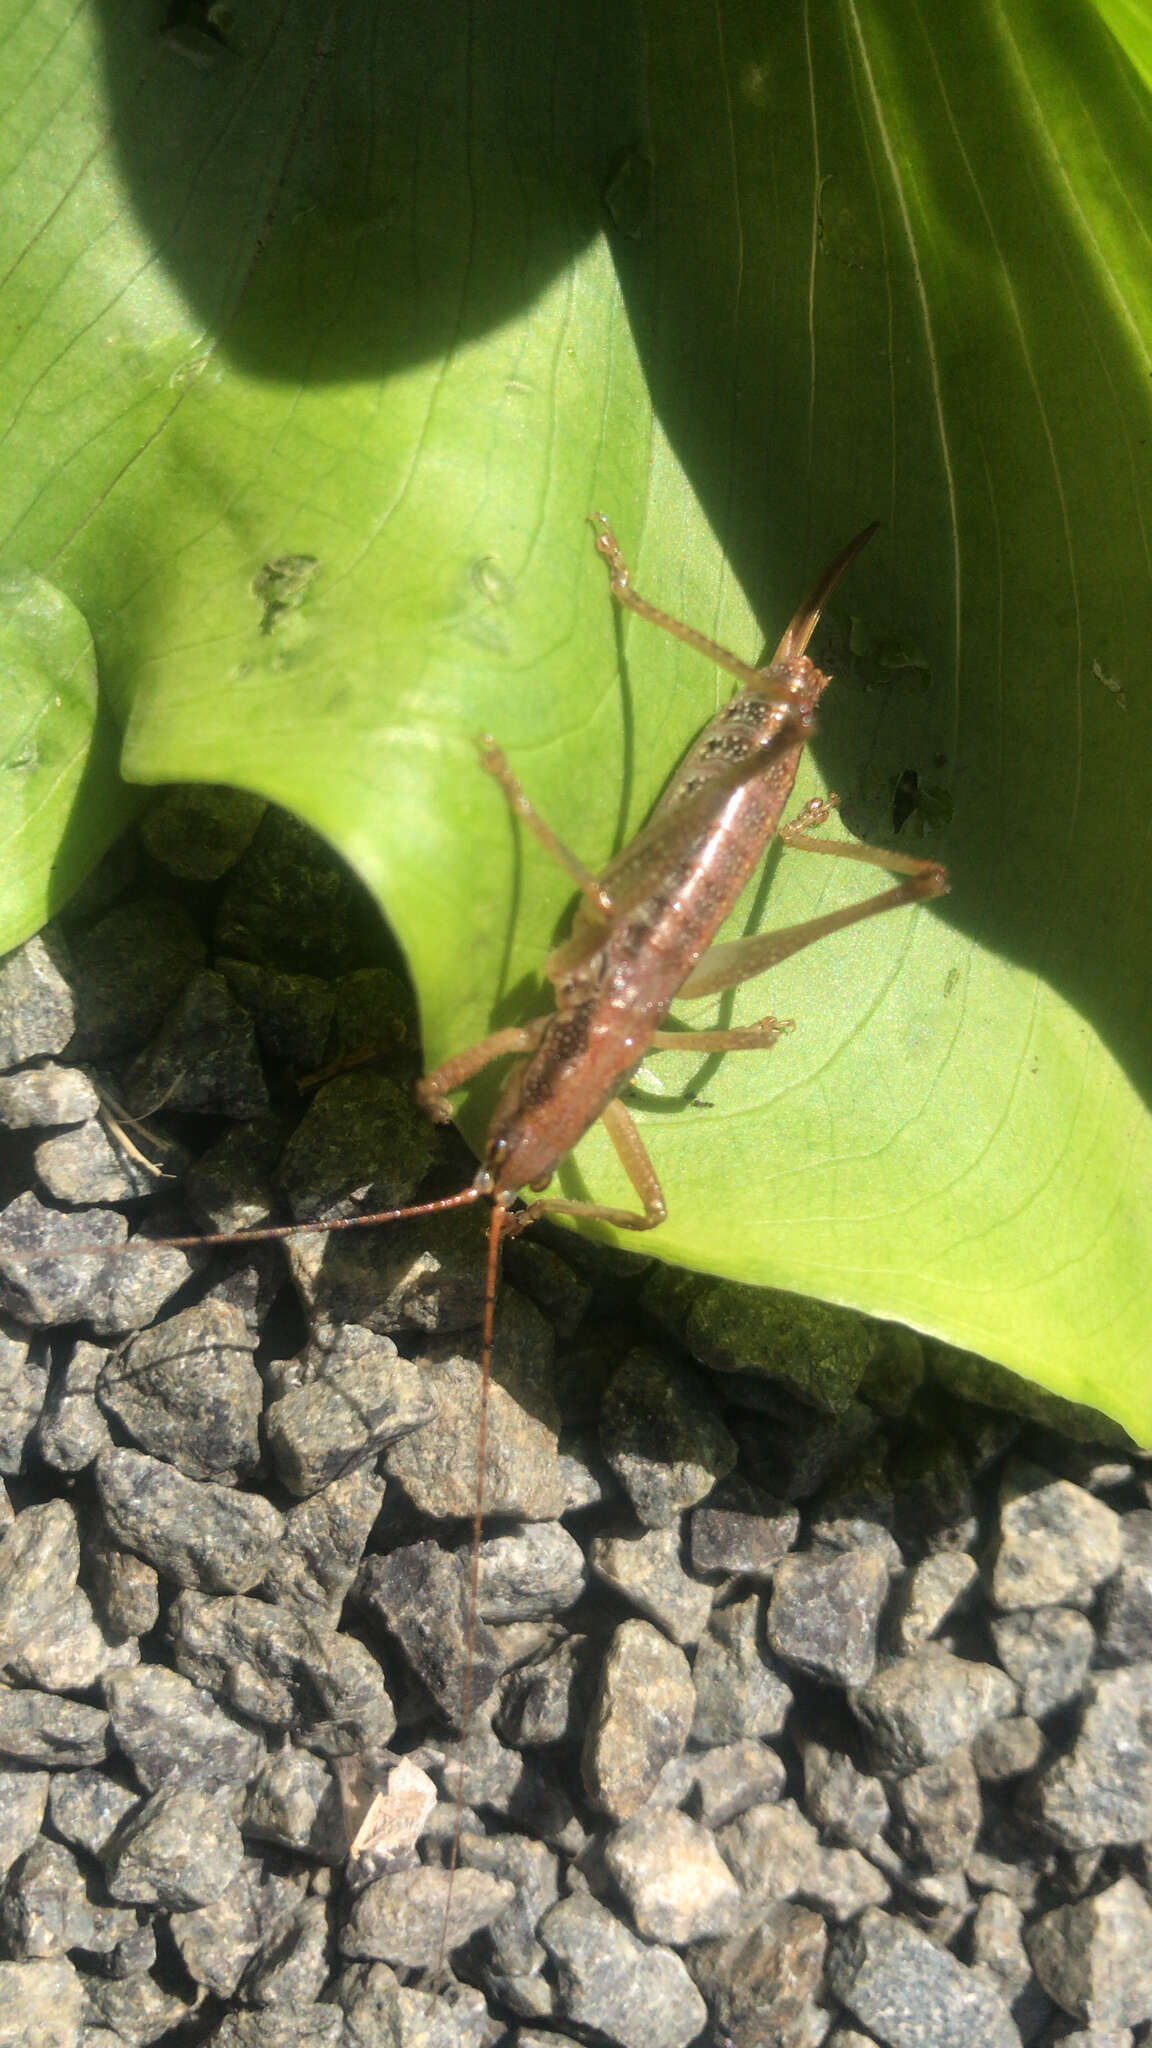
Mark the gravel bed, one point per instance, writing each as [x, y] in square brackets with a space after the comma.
[812, 1691]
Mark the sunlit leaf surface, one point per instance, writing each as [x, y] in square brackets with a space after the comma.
[324, 334]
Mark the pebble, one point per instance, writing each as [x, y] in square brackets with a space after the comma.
[775, 1853]
[23, 1797]
[934, 1481]
[58, 1268]
[726, 1781]
[316, 2027]
[289, 902]
[218, 1943]
[737, 1692]
[71, 1430]
[46, 1095]
[40, 1728]
[436, 1464]
[87, 1807]
[419, 1593]
[918, 1708]
[394, 1281]
[818, 1350]
[763, 1985]
[998, 1943]
[1098, 2037]
[1126, 1601]
[1100, 1792]
[675, 1880]
[39, 1566]
[400, 1918]
[293, 1799]
[198, 833]
[362, 1142]
[292, 1968]
[850, 1803]
[741, 1529]
[125, 1590]
[640, 1718]
[644, 1566]
[933, 1591]
[44, 1910]
[548, 1701]
[229, 1187]
[1047, 1654]
[195, 1534]
[127, 971]
[292, 1013]
[267, 1664]
[24, 1373]
[324, 1538]
[377, 2009]
[37, 1009]
[42, 2006]
[824, 1614]
[187, 1391]
[203, 1058]
[639, 1995]
[172, 1731]
[938, 1811]
[1008, 1749]
[515, 1959]
[529, 1574]
[181, 1848]
[662, 1437]
[1095, 1957]
[1058, 1543]
[352, 1399]
[71, 1651]
[911, 1994]
[89, 1165]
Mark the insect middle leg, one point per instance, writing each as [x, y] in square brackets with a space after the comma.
[759, 1037]
[521, 806]
[797, 835]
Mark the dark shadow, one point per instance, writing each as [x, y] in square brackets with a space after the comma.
[342, 190]
[1037, 803]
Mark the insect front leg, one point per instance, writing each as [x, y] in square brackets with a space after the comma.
[433, 1090]
[620, 584]
[630, 1151]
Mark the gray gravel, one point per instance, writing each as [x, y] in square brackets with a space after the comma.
[812, 1691]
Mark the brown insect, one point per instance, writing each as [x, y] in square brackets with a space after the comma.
[641, 937]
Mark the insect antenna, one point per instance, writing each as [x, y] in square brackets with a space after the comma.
[272, 1232]
[496, 1229]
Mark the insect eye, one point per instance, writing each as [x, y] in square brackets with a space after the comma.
[498, 1152]
[538, 1186]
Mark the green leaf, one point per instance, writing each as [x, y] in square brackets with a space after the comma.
[49, 726]
[408, 293]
